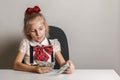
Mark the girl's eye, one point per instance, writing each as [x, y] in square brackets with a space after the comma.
[32, 30]
[40, 28]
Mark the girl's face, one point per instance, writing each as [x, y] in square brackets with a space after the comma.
[37, 30]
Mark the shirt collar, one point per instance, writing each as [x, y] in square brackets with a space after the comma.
[44, 42]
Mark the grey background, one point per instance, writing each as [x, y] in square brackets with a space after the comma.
[92, 28]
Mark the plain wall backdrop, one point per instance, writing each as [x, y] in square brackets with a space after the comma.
[92, 28]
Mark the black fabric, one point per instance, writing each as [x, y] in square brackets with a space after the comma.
[52, 59]
[57, 33]
[31, 54]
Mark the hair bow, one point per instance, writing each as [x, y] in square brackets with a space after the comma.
[31, 10]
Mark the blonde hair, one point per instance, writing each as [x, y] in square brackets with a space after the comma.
[28, 18]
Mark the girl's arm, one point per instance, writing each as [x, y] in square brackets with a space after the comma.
[18, 65]
[60, 58]
[62, 61]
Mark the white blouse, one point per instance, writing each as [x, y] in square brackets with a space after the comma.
[25, 48]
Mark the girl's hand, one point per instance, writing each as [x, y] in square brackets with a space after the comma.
[71, 68]
[43, 69]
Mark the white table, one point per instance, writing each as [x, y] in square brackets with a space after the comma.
[82, 74]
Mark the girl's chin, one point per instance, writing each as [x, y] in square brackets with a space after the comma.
[38, 41]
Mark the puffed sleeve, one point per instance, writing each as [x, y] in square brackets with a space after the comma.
[23, 46]
[56, 45]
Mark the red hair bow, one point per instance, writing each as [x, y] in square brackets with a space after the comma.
[34, 9]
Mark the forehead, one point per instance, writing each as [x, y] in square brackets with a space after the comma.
[37, 20]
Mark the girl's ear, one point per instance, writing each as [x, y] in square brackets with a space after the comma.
[28, 33]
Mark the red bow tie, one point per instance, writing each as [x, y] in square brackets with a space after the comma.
[41, 53]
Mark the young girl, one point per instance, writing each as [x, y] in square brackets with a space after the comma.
[36, 48]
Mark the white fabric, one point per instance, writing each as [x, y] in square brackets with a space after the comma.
[25, 48]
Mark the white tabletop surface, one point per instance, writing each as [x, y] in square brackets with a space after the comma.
[79, 74]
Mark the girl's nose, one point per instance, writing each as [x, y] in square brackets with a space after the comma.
[37, 32]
